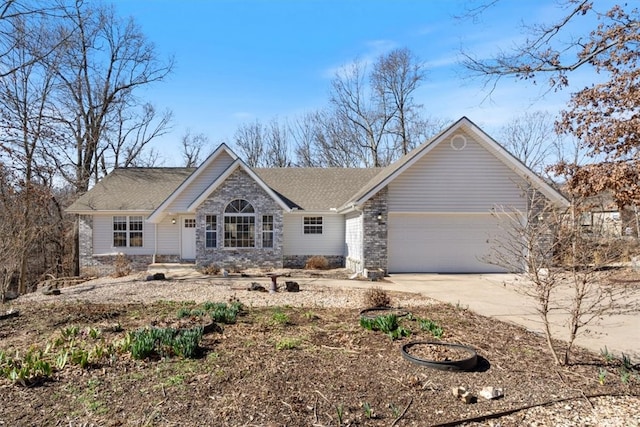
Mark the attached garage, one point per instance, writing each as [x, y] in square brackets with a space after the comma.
[441, 243]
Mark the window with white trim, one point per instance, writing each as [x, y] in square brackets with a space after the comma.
[127, 231]
[312, 225]
[239, 225]
[211, 231]
[267, 231]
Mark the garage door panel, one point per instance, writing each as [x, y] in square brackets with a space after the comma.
[441, 243]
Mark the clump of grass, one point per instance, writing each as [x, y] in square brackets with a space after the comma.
[288, 344]
[164, 342]
[279, 317]
[386, 324]
[376, 297]
[431, 326]
[222, 312]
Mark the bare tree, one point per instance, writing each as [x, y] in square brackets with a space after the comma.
[321, 141]
[249, 140]
[603, 116]
[364, 117]
[192, 146]
[531, 138]
[277, 145]
[128, 135]
[104, 61]
[16, 237]
[394, 78]
[563, 269]
[25, 104]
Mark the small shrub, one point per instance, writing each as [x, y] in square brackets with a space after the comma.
[210, 270]
[121, 265]
[376, 297]
[317, 262]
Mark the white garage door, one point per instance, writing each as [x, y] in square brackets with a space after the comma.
[441, 243]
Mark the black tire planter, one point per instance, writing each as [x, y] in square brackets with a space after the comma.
[373, 312]
[466, 364]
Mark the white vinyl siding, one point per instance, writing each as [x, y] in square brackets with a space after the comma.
[168, 237]
[354, 241]
[103, 236]
[200, 184]
[330, 242]
[448, 180]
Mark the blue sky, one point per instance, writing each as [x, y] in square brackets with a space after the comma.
[238, 61]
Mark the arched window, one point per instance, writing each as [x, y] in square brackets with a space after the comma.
[239, 225]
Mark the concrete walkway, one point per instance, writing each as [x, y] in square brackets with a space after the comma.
[496, 295]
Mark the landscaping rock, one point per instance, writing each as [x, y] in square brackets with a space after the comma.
[49, 290]
[156, 276]
[9, 314]
[256, 287]
[490, 393]
[292, 286]
[463, 394]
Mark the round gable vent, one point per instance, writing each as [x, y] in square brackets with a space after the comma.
[458, 142]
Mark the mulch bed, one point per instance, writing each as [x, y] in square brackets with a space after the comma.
[333, 370]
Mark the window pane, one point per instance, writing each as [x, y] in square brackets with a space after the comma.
[267, 231]
[135, 239]
[135, 223]
[119, 239]
[312, 225]
[119, 223]
[211, 232]
[239, 231]
[239, 206]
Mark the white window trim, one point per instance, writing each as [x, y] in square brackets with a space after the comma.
[127, 231]
[226, 215]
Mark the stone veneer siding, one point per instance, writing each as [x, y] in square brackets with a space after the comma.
[299, 261]
[239, 185]
[375, 235]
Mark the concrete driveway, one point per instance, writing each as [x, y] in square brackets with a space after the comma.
[496, 295]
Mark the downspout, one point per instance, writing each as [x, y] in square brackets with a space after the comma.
[155, 243]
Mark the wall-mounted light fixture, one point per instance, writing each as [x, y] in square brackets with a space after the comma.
[379, 216]
[173, 220]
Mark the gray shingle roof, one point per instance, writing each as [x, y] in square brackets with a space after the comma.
[316, 189]
[144, 189]
[135, 189]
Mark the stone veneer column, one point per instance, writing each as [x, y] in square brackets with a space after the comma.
[85, 228]
[375, 234]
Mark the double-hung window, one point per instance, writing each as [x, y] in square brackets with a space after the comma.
[239, 225]
[127, 231]
[267, 231]
[312, 225]
[211, 231]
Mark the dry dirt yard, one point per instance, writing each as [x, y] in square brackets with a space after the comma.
[291, 359]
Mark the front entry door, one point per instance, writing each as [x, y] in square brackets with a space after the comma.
[188, 236]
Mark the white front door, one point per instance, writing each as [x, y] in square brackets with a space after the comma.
[188, 237]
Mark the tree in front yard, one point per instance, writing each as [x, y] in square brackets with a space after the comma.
[566, 269]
